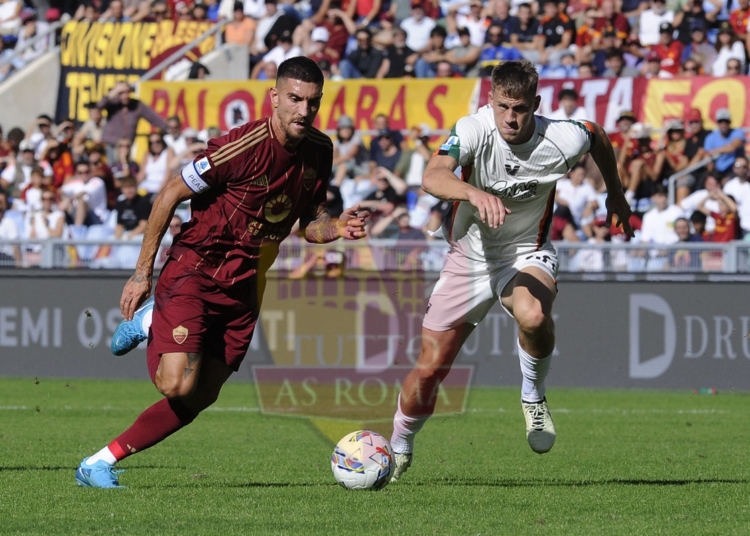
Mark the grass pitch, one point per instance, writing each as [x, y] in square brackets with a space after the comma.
[625, 462]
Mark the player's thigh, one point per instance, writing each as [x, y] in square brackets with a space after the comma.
[462, 295]
[530, 295]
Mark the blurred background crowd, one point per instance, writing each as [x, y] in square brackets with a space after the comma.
[79, 180]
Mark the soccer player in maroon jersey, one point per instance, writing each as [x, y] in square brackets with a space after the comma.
[247, 191]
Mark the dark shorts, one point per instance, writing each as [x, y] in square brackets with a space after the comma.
[192, 314]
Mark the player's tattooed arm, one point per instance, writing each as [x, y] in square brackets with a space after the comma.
[350, 225]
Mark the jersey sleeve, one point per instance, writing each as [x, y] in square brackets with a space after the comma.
[463, 142]
[575, 139]
[212, 167]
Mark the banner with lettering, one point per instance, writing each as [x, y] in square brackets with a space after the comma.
[95, 56]
[227, 104]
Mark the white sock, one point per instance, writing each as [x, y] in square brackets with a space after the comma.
[404, 430]
[104, 455]
[534, 372]
[146, 322]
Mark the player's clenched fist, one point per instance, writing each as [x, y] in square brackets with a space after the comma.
[352, 223]
[491, 209]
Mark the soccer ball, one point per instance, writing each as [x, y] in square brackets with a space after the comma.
[362, 460]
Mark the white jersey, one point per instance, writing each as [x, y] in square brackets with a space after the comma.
[522, 176]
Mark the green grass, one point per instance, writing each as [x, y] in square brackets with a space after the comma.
[625, 462]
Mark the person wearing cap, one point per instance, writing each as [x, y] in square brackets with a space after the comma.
[727, 47]
[671, 158]
[397, 56]
[556, 32]
[669, 51]
[651, 67]
[364, 61]
[522, 32]
[624, 121]
[650, 22]
[240, 30]
[464, 56]
[284, 50]
[699, 49]
[739, 19]
[349, 155]
[725, 144]
[317, 49]
[417, 27]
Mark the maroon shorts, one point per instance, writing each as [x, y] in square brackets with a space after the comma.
[193, 314]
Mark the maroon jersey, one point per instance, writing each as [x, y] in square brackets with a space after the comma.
[252, 191]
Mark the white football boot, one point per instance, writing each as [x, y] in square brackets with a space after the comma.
[540, 431]
[401, 463]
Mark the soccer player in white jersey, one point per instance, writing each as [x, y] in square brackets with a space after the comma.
[500, 250]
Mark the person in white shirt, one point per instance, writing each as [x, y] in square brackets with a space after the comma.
[567, 101]
[417, 27]
[278, 54]
[84, 198]
[728, 46]
[573, 195]
[474, 22]
[175, 138]
[650, 21]
[10, 254]
[17, 176]
[739, 188]
[691, 203]
[658, 223]
[511, 160]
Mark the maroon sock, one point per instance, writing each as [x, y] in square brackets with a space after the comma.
[152, 426]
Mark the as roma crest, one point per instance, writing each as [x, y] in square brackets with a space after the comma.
[180, 334]
[308, 178]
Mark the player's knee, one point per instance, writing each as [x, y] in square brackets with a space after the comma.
[173, 387]
[532, 320]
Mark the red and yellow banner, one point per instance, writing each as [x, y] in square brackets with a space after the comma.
[201, 104]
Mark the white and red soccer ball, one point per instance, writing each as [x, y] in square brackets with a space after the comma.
[362, 460]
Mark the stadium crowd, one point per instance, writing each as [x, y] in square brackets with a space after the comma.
[79, 180]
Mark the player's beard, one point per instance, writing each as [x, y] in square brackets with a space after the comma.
[293, 130]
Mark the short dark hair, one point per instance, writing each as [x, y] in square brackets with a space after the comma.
[681, 218]
[516, 79]
[300, 68]
[128, 181]
[439, 30]
[15, 134]
[698, 217]
[45, 117]
[82, 162]
[567, 93]
[658, 189]
[614, 53]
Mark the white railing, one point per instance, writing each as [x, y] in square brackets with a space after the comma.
[298, 258]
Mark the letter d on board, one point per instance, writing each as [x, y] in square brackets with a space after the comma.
[655, 366]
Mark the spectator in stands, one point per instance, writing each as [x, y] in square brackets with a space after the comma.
[198, 71]
[685, 259]
[651, 21]
[636, 166]
[382, 122]
[157, 11]
[58, 157]
[727, 224]
[556, 32]
[436, 51]
[499, 13]
[46, 221]
[412, 163]
[10, 255]
[175, 139]
[725, 143]
[651, 68]
[567, 106]
[389, 192]
[586, 34]
[116, 13]
[349, 158]
[30, 30]
[671, 158]
[594, 259]
[694, 131]
[284, 50]
[615, 63]
[5, 151]
[132, 210]
[84, 198]
[739, 188]
[15, 137]
[689, 204]
[727, 47]
[417, 27]
[699, 49]
[241, 29]
[40, 133]
[317, 47]
[17, 175]
[624, 121]
[388, 151]
[364, 61]
[444, 69]
[524, 28]
[689, 17]
[658, 223]
[91, 131]
[734, 67]
[266, 20]
[87, 12]
[155, 166]
[567, 68]
[199, 12]
[339, 25]
[123, 114]
[669, 51]
[31, 196]
[586, 70]
[612, 20]
[476, 22]
[698, 221]
[397, 56]
[573, 195]
[97, 160]
[10, 16]
[495, 50]
[123, 166]
[739, 19]
[690, 69]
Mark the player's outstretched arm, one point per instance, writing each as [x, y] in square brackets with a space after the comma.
[138, 287]
[440, 180]
[604, 157]
[350, 226]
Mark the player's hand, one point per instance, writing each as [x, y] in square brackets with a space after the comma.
[352, 223]
[136, 290]
[491, 209]
[617, 205]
